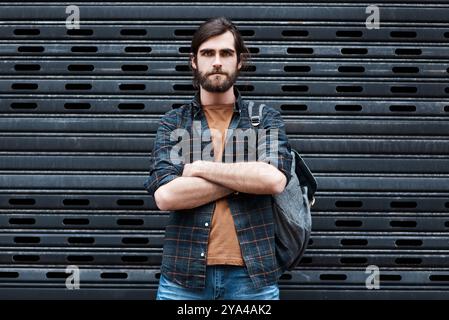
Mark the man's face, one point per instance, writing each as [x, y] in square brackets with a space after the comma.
[216, 66]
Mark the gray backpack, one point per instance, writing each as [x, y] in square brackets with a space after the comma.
[291, 208]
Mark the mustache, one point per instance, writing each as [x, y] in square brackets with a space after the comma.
[216, 73]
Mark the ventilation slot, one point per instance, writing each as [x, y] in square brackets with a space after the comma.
[80, 67]
[408, 243]
[184, 32]
[408, 52]
[349, 89]
[114, 275]
[249, 68]
[351, 69]
[138, 49]
[405, 70]
[402, 108]
[295, 33]
[22, 202]
[183, 87]
[432, 277]
[130, 222]
[403, 204]
[397, 89]
[24, 86]
[78, 86]
[23, 105]
[403, 34]
[349, 34]
[132, 86]
[348, 204]
[390, 277]
[80, 258]
[134, 259]
[293, 88]
[348, 107]
[81, 240]
[133, 32]
[131, 106]
[354, 242]
[348, 223]
[245, 88]
[76, 202]
[135, 241]
[75, 221]
[27, 67]
[184, 49]
[30, 49]
[297, 69]
[26, 258]
[253, 50]
[354, 51]
[403, 224]
[56, 275]
[27, 240]
[22, 221]
[135, 67]
[130, 202]
[294, 107]
[9, 274]
[80, 32]
[182, 68]
[353, 260]
[408, 261]
[84, 49]
[27, 32]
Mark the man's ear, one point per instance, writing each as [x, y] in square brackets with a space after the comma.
[193, 61]
[240, 64]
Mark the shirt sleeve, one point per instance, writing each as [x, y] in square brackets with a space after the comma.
[162, 168]
[274, 147]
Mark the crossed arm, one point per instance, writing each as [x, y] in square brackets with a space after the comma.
[205, 181]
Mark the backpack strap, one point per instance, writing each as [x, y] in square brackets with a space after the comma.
[255, 118]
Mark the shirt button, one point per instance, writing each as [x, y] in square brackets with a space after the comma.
[206, 224]
[202, 254]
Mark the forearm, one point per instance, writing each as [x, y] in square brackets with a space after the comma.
[188, 192]
[248, 177]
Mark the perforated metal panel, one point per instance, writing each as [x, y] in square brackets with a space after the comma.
[368, 109]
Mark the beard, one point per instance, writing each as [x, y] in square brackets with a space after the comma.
[211, 84]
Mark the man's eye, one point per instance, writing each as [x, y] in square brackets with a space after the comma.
[208, 53]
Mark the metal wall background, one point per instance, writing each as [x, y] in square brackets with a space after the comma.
[79, 110]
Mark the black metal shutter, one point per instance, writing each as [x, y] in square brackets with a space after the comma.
[368, 109]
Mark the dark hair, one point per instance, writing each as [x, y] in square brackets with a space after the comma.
[215, 27]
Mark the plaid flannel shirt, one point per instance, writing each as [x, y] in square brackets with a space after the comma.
[187, 232]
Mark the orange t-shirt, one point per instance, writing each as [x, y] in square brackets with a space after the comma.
[223, 246]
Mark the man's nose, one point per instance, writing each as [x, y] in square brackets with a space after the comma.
[217, 61]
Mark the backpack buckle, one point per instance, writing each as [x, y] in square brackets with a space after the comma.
[255, 120]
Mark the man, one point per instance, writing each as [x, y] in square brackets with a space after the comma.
[219, 242]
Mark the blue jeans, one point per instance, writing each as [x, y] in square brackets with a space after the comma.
[222, 283]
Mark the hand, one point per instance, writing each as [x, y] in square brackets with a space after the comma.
[192, 169]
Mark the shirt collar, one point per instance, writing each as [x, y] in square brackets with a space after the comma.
[196, 103]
